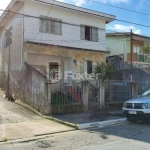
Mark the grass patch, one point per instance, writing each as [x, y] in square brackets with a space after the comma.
[5, 140]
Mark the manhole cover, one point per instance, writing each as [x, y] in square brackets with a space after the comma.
[43, 144]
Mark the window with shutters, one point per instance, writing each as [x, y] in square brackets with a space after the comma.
[89, 33]
[50, 25]
[8, 38]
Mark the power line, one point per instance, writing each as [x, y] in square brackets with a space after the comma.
[78, 29]
[62, 22]
[30, 16]
[71, 41]
[66, 26]
[54, 42]
[95, 14]
[42, 26]
[120, 8]
[65, 39]
[46, 34]
[11, 17]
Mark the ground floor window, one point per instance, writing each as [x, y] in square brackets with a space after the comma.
[89, 67]
[53, 70]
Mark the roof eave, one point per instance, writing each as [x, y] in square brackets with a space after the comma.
[107, 17]
[14, 4]
[127, 34]
[111, 20]
[31, 42]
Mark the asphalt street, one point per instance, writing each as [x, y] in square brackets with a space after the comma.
[118, 137]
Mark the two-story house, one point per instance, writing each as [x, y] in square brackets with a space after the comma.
[50, 35]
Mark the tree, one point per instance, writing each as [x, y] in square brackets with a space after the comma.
[147, 49]
[104, 71]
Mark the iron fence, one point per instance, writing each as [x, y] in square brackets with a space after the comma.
[117, 91]
[62, 94]
[144, 58]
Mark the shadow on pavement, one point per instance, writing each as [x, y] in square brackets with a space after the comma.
[81, 118]
[136, 131]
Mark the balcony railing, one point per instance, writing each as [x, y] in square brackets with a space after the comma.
[143, 58]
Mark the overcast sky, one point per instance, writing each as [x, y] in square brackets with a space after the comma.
[136, 5]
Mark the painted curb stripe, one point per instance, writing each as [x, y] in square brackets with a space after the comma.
[101, 123]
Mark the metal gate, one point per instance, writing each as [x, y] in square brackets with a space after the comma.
[61, 94]
[94, 87]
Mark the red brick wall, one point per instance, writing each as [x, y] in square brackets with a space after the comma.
[134, 57]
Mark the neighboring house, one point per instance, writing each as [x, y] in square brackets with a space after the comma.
[51, 35]
[120, 44]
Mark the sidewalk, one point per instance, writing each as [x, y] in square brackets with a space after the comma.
[16, 122]
[82, 118]
[92, 120]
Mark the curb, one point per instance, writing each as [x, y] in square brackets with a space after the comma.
[101, 123]
[35, 138]
[46, 117]
[28, 107]
[80, 126]
[61, 122]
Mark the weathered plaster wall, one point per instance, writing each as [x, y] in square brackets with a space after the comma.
[16, 23]
[39, 55]
[35, 92]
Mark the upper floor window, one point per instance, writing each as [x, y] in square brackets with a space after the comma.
[89, 33]
[8, 38]
[50, 25]
[137, 49]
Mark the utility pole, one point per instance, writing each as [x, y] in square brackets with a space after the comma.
[131, 52]
[131, 69]
[8, 75]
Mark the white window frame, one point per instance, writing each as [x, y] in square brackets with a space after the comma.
[94, 37]
[135, 49]
[50, 25]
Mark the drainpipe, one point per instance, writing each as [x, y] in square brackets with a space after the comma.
[8, 75]
[22, 52]
[131, 69]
